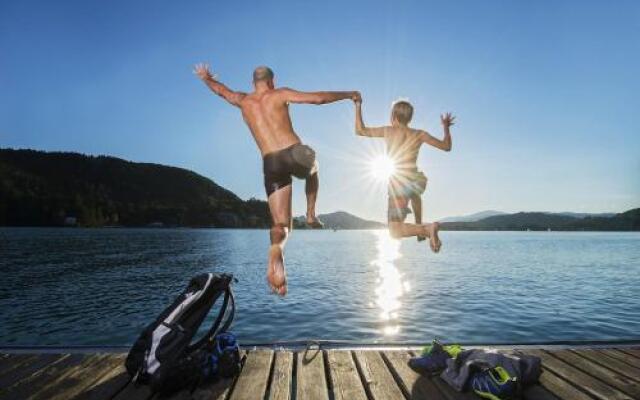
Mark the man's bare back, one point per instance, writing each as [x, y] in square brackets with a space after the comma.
[267, 116]
[266, 113]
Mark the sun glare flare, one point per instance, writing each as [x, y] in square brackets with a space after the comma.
[382, 167]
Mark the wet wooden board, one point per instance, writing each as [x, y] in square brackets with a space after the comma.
[569, 374]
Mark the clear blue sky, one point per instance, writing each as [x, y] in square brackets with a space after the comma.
[547, 94]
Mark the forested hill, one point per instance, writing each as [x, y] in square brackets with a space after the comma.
[536, 221]
[50, 189]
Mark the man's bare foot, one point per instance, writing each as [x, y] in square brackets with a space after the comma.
[313, 222]
[276, 275]
[434, 240]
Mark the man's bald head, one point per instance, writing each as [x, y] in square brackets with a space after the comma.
[262, 74]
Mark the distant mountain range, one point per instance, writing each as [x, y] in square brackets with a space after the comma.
[340, 220]
[491, 213]
[70, 189]
[472, 217]
[626, 221]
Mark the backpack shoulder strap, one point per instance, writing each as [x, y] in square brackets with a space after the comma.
[228, 296]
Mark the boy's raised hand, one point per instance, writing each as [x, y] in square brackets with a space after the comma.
[447, 119]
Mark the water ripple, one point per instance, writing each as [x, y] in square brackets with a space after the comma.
[102, 286]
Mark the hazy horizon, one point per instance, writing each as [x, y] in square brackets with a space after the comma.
[546, 95]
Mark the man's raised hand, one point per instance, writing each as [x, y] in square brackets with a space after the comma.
[447, 119]
[202, 71]
[356, 97]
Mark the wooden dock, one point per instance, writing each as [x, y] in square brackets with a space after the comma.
[381, 374]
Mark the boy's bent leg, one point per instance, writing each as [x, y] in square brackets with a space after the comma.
[280, 208]
[400, 229]
[416, 205]
[311, 187]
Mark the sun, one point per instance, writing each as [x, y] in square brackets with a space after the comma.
[382, 167]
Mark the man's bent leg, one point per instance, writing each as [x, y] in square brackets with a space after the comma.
[311, 187]
[400, 229]
[280, 208]
[416, 205]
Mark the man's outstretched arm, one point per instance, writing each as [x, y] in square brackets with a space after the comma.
[361, 129]
[294, 96]
[444, 143]
[202, 70]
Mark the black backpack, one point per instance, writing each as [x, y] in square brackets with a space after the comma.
[164, 356]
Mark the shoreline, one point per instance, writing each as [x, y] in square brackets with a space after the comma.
[304, 229]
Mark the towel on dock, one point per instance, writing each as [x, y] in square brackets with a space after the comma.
[525, 368]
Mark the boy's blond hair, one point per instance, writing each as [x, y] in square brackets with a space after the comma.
[402, 111]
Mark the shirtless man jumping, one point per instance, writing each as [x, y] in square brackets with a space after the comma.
[266, 112]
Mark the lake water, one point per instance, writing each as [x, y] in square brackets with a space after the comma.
[102, 286]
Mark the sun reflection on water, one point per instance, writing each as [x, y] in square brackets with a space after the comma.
[389, 286]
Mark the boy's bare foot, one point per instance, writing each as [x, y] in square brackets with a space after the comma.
[434, 240]
[313, 222]
[276, 275]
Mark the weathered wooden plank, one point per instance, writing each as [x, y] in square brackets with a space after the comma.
[310, 376]
[69, 377]
[77, 379]
[376, 377]
[414, 385]
[218, 390]
[586, 382]
[32, 384]
[184, 394]
[634, 352]
[253, 380]
[627, 358]
[28, 368]
[559, 387]
[108, 385]
[606, 375]
[15, 361]
[134, 391]
[345, 381]
[538, 392]
[281, 376]
[5, 360]
[615, 364]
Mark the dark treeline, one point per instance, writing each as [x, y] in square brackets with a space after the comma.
[53, 189]
[536, 221]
